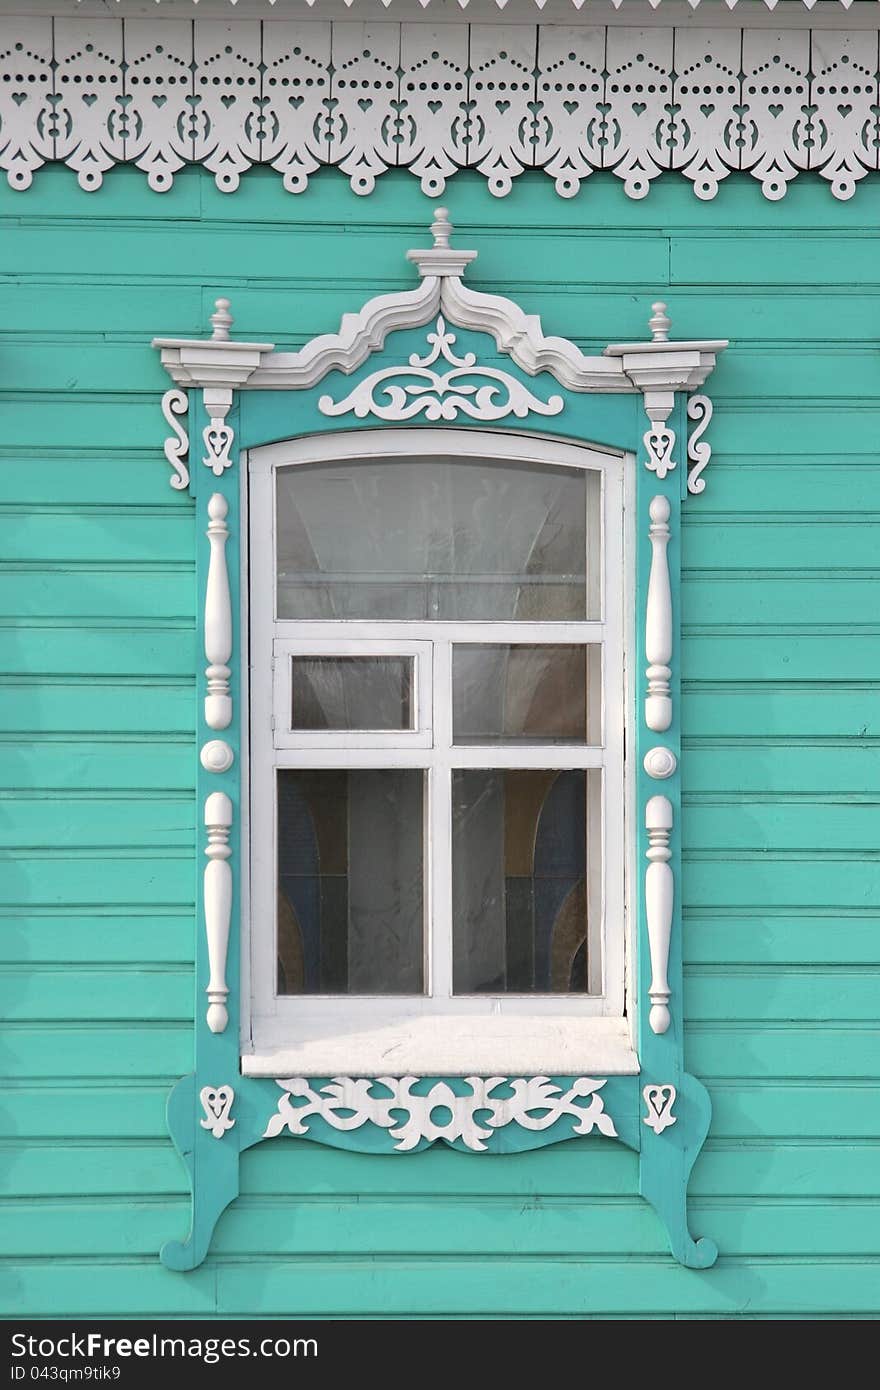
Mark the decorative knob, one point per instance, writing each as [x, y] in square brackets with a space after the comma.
[222, 321]
[441, 229]
[659, 323]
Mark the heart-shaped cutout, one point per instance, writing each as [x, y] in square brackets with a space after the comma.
[434, 107]
[295, 102]
[365, 103]
[570, 107]
[775, 110]
[502, 106]
[218, 438]
[159, 101]
[659, 444]
[19, 97]
[90, 98]
[227, 100]
[639, 108]
[707, 110]
[659, 1097]
[845, 111]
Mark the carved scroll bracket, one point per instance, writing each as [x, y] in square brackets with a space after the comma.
[699, 449]
[174, 403]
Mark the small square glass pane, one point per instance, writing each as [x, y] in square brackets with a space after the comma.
[528, 693]
[352, 692]
[526, 871]
[350, 881]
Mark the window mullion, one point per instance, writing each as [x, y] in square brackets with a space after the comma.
[439, 846]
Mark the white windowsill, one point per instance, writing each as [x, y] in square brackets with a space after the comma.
[560, 1045]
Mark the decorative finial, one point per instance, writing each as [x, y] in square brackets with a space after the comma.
[221, 321]
[659, 323]
[441, 229]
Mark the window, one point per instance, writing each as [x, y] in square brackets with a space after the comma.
[437, 774]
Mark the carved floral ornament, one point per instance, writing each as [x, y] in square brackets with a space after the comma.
[296, 95]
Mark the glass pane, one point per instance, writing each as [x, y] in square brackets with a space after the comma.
[526, 694]
[526, 870]
[350, 882]
[351, 692]
[438, 538]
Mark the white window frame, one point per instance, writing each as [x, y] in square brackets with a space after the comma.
[283, 648]
[435, 1034]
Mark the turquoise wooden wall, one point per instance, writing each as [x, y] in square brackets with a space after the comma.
[97, 814]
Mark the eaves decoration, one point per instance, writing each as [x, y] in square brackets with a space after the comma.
[299, 95]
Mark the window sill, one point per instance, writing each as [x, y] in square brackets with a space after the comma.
[561, 1045]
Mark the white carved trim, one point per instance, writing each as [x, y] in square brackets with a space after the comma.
[218, 905]
[521, 336]
[699, 450]
[660, 763]
[220, 365]
[359, 334]
[500, 98]
[216, 756]
[176, 447]
[536, 1104]
[480, 393]
[659, 442]
[218, 619]
[659, 1101]
[217, 1103]
[218, 436]
[659, 896]
[658, 620]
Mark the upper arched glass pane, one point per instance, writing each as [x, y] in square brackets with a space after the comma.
[444, 539]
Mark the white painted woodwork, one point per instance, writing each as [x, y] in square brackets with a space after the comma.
[362, 124]
[176, 447]
[216, 1101]
[216, 756]
[219, 365]
[659, 898]
[228, 119]
[218, 905]
[593, 92]
[611, 12]
[373, 639]
[466, 388]
[707, 64]
[658, 620]
[27, 120]
[439, 1033]
[535, 1105]
[660, 763]
[91, 121]
[218, 619]
[699, 408]
[659, 1101]
[159, 81]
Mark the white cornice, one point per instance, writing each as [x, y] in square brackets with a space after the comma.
[222, 364]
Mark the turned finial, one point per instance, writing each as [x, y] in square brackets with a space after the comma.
[659, 323]
[221, 321]
[441, 229]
